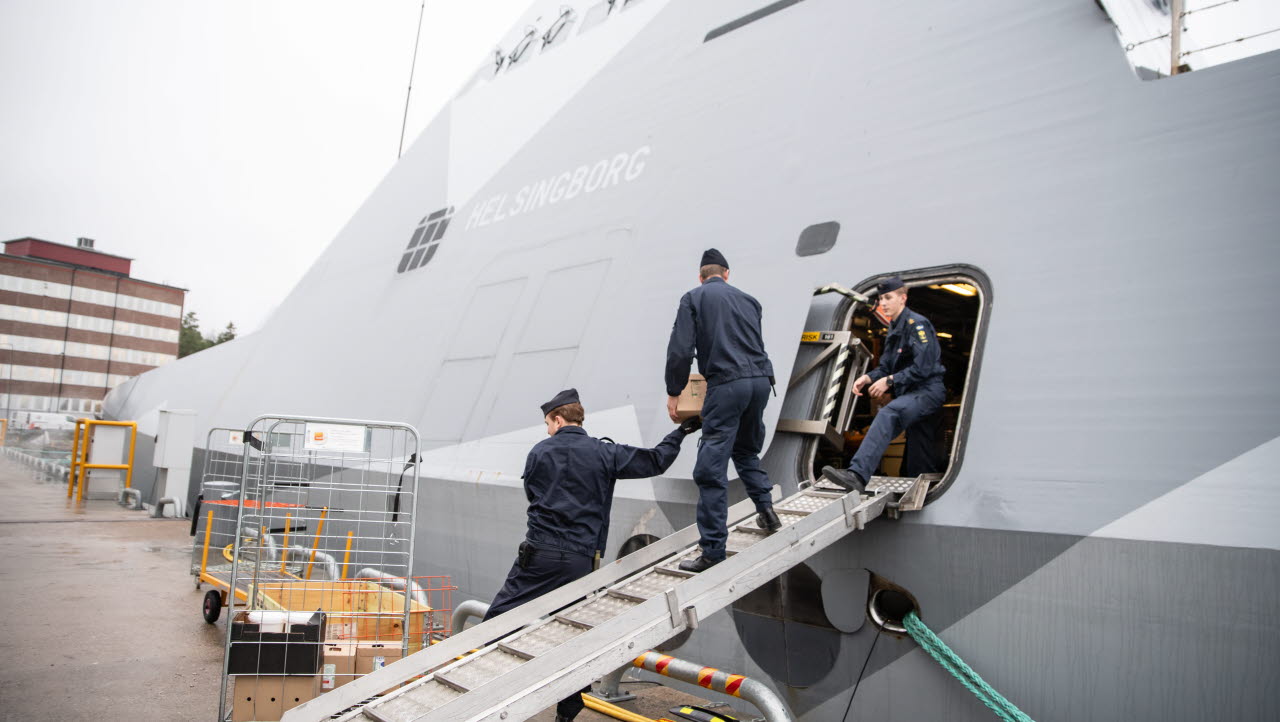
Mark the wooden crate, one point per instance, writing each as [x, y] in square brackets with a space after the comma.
[358, 610]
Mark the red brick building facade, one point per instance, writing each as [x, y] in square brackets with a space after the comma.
[73, 324]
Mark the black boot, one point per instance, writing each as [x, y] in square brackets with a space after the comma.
[701, 564]
[563, 718]
[768, 520]
[844, 479]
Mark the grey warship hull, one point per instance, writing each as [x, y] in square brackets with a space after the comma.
[1103, 545]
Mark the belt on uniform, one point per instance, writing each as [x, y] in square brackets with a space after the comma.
[548, 553]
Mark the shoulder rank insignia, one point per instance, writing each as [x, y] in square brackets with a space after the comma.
[911, 320]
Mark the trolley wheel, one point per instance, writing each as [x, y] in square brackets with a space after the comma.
[212, 605]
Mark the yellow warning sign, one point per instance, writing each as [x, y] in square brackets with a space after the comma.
[810, 336]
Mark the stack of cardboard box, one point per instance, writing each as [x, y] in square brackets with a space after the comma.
[276, 670]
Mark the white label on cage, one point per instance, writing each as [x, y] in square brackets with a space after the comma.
[330, 671]
[235, 437]
[379, 662]
[337, 437]
[341, 630]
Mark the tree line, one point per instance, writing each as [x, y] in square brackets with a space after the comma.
[190, 340]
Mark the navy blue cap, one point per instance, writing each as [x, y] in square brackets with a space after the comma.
[713, 257]
[568, 396]
[892, 283]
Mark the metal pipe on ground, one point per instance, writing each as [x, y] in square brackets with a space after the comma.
[157, 511]
[130, 498]
[390, 580]
[750, 690]
[297, 553]
[272, 553]
[470, 609]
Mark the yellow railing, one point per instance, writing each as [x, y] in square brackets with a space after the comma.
[80, 455]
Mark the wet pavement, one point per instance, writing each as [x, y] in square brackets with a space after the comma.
[101, 617]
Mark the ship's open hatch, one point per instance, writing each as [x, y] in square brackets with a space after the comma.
[822, 424]
[954, 305]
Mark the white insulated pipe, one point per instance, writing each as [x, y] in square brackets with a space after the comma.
[419, 595]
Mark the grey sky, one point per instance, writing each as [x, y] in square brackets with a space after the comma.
[221, 144]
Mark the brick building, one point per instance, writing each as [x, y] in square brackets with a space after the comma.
[73, 324]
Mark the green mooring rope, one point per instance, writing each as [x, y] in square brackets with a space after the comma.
[961, 671]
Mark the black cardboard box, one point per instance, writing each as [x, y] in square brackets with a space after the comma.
[297, 651]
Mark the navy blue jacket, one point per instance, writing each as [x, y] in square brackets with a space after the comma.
[911, 354]
[569, 479]
[722, 325]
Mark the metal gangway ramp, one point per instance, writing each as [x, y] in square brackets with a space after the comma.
[521, 662]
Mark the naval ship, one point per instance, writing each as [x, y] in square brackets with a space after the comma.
[1097, 246]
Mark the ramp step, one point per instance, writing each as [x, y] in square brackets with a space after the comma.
[803, 503]
[480, 668]
[672, 565]
[740, 540]
[599, 611]
[788, 518]
[411, 706]
[624, 595]
[895, 484]
[653, 584]
[539, 639]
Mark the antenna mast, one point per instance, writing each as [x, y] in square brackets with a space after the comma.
[1175, 36]
[417, 39]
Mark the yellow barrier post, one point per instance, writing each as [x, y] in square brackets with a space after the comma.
[346, 558]
[133, 445]
[75, 458]
[208, 528]
[284, 548]
[84, 458]
[316, 545]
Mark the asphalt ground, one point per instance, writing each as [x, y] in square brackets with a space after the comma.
[100, 618]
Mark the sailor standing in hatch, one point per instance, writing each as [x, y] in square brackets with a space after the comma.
[910, 372]
[722, 325]
[569, 481]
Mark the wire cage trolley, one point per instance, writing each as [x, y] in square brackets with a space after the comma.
[313, 558]
[218, 498]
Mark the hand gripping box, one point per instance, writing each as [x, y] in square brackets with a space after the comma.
[689, 403]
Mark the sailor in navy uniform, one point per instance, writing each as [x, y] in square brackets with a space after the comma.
[910, 372]
[721, 326]
[568, 480]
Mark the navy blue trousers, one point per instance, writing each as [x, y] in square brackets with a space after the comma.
[547, 570]
[914, 412]
[732, 428]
